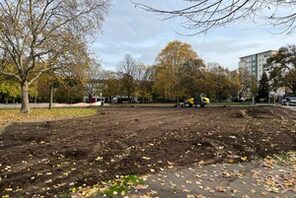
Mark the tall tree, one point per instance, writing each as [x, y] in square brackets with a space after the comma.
[248, 84]
[220, 78]
[168, 65]
[192, 77]
[71, 90]
[111, 85]
[235, 84]
[35, 33]
[94, 78]
[282, 68]
[263, 90]
[72, 65]
[145, 82]
[128, 68]
[204, 15]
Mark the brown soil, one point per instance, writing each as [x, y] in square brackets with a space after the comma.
[49, 157]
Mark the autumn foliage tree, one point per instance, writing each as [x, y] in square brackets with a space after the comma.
[181, 73]
[169, 63]
[112, 84]
[74, 65]
[248, 84]
[9, 89]
[282, 68]
[35, 33]
[235, 84]
[145, 83]
[192, 77]
[221, 81]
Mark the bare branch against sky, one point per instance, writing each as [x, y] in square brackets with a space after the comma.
[201, 16]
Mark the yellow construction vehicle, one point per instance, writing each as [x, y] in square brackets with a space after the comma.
[196, 102]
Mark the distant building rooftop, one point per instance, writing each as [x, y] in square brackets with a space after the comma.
[259, 53]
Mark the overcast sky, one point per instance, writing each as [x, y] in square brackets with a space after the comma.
[128, 29]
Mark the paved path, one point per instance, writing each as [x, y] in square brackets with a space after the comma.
[246, 180]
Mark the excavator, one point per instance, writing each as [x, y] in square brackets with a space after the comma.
[199, 102]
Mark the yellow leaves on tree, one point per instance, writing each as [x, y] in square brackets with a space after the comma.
[168, 64]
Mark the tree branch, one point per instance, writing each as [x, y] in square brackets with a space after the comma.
[38, 75]
[9, 74]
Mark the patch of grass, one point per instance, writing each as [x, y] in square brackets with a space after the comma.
[122, 185]
[43, 114]
[65, 195]
[287, 158]
[111, 188]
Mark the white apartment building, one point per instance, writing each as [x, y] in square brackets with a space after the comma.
[255, 62]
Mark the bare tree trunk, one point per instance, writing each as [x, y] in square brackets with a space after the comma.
[50, 98]
[253, 100]
[90, 98]
[25, 108]
[128, 97]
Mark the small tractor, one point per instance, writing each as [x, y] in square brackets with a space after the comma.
[196, 102]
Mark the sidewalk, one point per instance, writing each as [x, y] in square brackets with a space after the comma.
[246, 180]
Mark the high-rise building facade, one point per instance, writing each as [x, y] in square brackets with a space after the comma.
[255, 62]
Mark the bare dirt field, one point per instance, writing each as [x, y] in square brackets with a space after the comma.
[47, 158]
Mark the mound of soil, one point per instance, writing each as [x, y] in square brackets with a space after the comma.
[260, 113]
[48, 158]
[264, 113]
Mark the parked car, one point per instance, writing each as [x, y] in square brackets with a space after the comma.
[289, 101]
